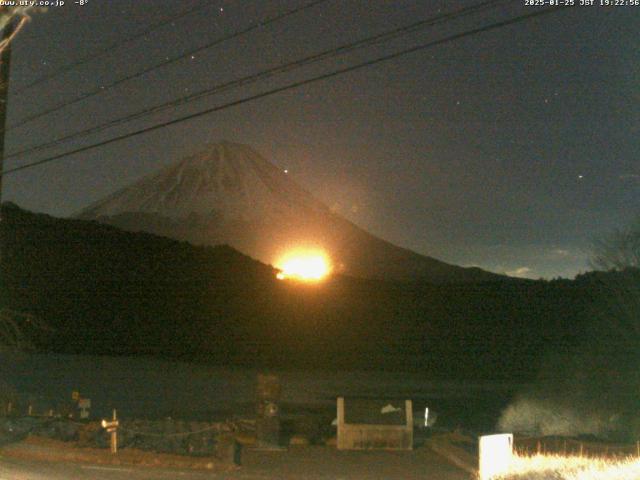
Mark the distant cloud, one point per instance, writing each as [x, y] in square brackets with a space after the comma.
[522, 272]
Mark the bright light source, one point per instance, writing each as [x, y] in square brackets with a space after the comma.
[496, 454]
[305, 265]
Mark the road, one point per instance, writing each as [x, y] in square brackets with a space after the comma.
[20, 469]
[314, 463]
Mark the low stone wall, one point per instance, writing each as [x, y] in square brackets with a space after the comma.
[162, 436]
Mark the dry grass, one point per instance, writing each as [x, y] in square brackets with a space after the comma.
[562, 467]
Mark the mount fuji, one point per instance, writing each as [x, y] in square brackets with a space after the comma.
[230, 194]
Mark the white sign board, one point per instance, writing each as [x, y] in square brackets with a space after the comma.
[496, 453]
[84, 404]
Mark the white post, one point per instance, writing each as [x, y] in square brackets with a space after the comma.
[408, 407]
[114, 434]
[340, 427]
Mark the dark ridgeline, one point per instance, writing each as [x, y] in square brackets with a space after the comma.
[107, 291]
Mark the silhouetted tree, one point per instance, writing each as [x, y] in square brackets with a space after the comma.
[619, 254]
[15, 329]
[619, 250]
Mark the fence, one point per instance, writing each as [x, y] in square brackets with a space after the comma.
[13, 404]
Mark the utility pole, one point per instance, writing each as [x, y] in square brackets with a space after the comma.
[5, 63]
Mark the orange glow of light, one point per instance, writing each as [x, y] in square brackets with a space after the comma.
[304, 265]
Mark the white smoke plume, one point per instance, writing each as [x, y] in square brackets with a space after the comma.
[546, 417]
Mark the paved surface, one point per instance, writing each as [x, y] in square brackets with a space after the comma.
[20, 469]
[314, 463]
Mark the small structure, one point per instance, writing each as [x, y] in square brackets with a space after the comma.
[268, 413]
[84, 404]
[366, 424]
[111, 426]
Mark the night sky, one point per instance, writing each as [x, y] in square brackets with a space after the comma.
[510, 149]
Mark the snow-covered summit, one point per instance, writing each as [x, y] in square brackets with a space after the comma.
[225, 179]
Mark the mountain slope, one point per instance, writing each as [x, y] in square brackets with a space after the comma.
[107, 291]
[229, 194]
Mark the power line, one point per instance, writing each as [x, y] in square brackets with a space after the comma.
[104, 51]
[286, 67]
[140, 73]
[290, 86]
